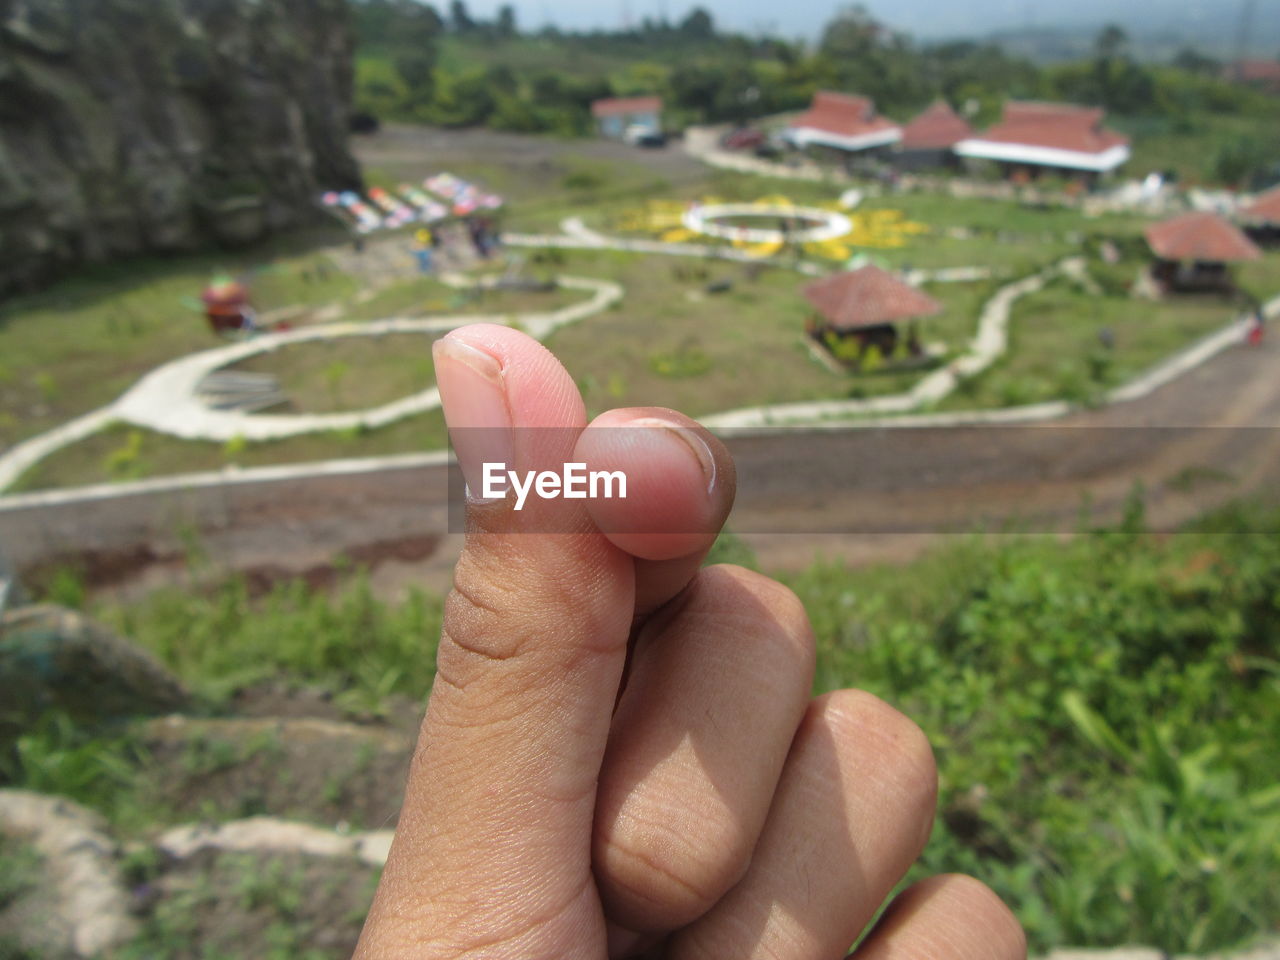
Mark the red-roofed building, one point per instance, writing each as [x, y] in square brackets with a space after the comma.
[1049, 137]
[616, 114]
[843, 122]
[867, 305]
[1265, 209]
[1263, 74]
[929, 138]
[1193, 250]
[1262, 218]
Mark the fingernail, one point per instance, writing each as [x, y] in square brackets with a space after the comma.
[474, 399]
[691, 439]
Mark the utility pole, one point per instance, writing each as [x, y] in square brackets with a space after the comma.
[1244, 28]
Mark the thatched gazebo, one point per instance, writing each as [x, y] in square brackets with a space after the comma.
[867, 306]
[1193, 252]
[1262, 218]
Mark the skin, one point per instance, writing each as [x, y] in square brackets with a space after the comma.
[620, 756]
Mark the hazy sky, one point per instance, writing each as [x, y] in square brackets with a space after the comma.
[920, 17]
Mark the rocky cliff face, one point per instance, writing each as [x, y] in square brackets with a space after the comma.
[145, 126]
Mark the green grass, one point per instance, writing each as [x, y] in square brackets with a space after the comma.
[1055, 349]
[222, 641]
[1104, 715]
[122, 452]
[424, 296]
[83, 342]
[349, 373]
[1104, 709]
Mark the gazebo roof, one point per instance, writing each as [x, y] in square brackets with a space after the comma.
[937, 128]
[1266, 208]
[867, 297]
[1200, 236]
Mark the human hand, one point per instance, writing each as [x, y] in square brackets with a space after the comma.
[620, 757]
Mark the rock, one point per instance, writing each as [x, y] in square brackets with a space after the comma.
[82, 907]
[148, 126]
[273, 835]
[55, 659]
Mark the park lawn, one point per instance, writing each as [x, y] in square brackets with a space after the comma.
[123, 452]
[670, 343]
[1261, 277]
[347, 373]
[81, 343]
[424, 296]
[1055, 349]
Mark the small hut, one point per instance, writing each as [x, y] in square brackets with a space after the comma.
[864, 308]
[1262, 218]
[1193, 252]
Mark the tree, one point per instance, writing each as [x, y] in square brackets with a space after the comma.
[506, 23]
[695, 87]
[1111, 44]
[851, 33]
[460, 18]
[698, 25]
[1193, 61]
[416, 68]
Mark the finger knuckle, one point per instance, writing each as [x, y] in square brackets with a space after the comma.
[655, 874]
[890, 742]
[759, 597]
[971, 897]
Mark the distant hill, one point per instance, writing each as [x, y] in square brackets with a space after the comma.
[1054, 31]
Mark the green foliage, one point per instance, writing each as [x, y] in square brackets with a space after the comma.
[1239, 159]
[235, 446]
[688, 360]
[59, 757]
[1104, 714]
[731, 548]
[224, 640]
[65, 588]
[584, 179]
[125, 461]
[47, 386]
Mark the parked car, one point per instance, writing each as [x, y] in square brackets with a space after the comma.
[639, 135]
[743, 138]
[770, 150]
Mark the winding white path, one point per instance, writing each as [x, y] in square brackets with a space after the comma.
[165, 399]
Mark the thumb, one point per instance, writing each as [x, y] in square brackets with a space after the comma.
[501, 794]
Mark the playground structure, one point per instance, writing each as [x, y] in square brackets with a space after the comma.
[438, 198]
[227, 307]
